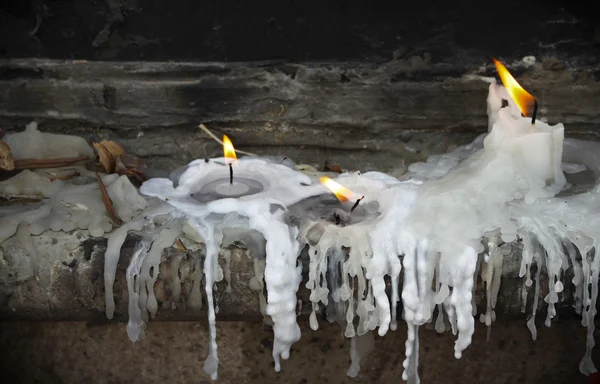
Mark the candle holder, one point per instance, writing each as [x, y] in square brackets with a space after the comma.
[215, 187]
[257, 197]
[353, 251]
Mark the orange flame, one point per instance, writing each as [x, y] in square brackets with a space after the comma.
[342, 193]
[228, 150]
[521, 97]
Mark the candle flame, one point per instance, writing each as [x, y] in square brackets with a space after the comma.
[228, 150]
[342, 193]
[520, 96]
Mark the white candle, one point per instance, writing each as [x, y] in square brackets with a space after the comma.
[519, 161]
[259, 195]
[532, 151]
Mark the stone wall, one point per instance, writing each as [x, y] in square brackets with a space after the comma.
[358, 116]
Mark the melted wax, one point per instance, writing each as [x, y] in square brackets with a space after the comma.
[260, 192]
[447, 222]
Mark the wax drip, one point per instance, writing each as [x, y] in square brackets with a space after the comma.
[207, 231]
[491, 274]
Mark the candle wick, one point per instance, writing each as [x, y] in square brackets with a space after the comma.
[356, 204]
[230, 174]
[535, 109]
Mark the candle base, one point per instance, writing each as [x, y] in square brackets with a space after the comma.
[221, 189]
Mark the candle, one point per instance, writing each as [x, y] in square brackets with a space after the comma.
[256, 196]
[533, 150]
[520, 159]
[362, 244]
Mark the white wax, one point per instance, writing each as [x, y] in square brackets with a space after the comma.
[115, 242]
[498, 188]
[571, 222]
[465, 196]
[71, 206]
[33, 144]
[263, 210]
[373, 253]
[235, 189]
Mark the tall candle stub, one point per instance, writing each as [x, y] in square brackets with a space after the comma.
[536, 148]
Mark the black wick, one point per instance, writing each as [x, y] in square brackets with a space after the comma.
[356, 204]
[535, 109]
[230, 174]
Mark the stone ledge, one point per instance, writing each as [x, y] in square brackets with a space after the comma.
[70, 283]
[342, 97]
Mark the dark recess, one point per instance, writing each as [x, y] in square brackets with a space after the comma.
[295, 30]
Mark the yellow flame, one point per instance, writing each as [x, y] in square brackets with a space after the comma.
[342, 193]
[521, 97]
[228, 150]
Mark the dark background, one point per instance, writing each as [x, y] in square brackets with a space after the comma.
[299, 30]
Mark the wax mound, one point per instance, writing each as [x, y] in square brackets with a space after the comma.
[30, 183]
[69, 206]
[365, 250]
[33, 144]
[472, 201]
[262, 210]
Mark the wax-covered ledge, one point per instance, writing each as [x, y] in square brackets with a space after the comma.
[441, 228]
[69, 285]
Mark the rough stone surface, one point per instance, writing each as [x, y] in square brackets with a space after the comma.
[70, 283]
[357, 115]
[174, 353]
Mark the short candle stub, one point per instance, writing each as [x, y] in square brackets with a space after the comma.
[227, 188]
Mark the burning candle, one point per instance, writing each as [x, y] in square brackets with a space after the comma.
[532, 147]
[346, 204]
[230, 156]
[345, 246]
[520, 161]
[341, 193]
[253, 198]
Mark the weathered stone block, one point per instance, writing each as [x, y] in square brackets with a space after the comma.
[70, 284]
